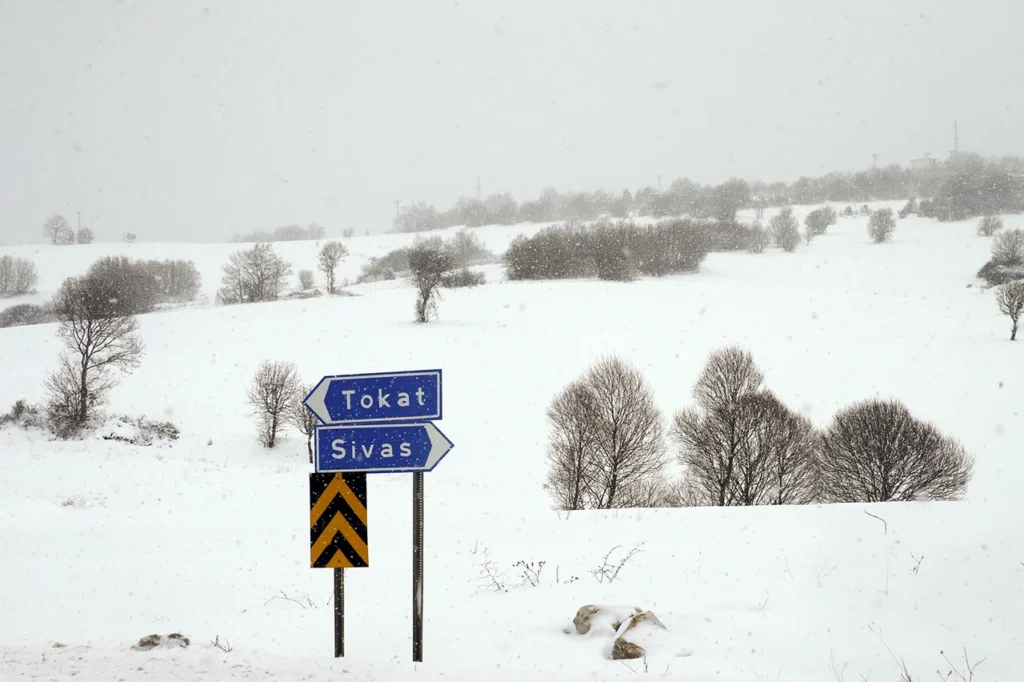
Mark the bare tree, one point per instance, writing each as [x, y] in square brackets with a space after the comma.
[306, 280]
[606, 446]
[253, 275]
[1010, 297]
[84, 236]
[572, 446]
[712, 438]
[776, 462]
[271, 394]
[881, 225]
[989, 225]
[1008, 247]
[130, 237]
[630, 444]
[97, 342]
[429, 267]
[328, 259]
[58, 231]
[301, 418]
[876, 451]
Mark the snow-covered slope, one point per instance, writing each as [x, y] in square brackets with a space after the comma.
[105, 542]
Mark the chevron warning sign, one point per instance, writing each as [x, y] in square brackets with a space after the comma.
[337, 521]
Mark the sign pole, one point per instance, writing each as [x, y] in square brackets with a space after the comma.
[339, 612]
[417, 567]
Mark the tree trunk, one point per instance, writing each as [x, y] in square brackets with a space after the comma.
[309, 446]
[1013, 332]
[83, 395]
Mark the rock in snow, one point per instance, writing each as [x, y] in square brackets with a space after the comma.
[591, 615]
[634, 635]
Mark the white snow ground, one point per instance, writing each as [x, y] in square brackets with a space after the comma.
[104, 542]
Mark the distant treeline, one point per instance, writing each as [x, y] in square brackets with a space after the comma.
[288, 233]
[961, 188]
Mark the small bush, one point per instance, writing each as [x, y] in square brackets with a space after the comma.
[84, 236]
[463, 278]
[24, 415]
[387, 267]
[881, 225]
[306, 280]
[1008, 247]
[26, 314]
[989, 225]
[785, 230]
[727, 236]
[467, 249]
[759, 238]
[819, 220]
[17, 276]
[909, 208]
[139, 430]
[994, 273]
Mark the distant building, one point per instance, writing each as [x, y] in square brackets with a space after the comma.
[924, 163]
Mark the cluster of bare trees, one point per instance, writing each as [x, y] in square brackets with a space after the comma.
[260, 274]
[253, 275]
[738, 445]
[276, 396]
[59, 233]
[607, 446]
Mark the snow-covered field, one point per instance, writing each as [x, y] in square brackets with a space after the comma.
[104, 542]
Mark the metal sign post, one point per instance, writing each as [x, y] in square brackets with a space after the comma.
[378, 423]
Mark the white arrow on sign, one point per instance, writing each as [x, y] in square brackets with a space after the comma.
[361, 447]
[439, 446]
[316, 402]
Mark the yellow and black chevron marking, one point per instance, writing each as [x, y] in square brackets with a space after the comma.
[337, 521]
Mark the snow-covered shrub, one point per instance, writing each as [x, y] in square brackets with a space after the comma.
[463, 278]
[25, 314]
[138, 430]
[881, 225]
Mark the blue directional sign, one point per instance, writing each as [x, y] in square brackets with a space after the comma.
[380, 448]
[383, 397]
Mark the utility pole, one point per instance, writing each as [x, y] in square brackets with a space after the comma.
[874, 161]
[956, 140]
[479, 191]
[659, 183]
[79, 220]
[398, 202]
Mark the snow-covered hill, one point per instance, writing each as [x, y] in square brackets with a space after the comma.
[105, 542]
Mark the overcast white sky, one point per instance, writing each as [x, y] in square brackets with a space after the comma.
[183, 120]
